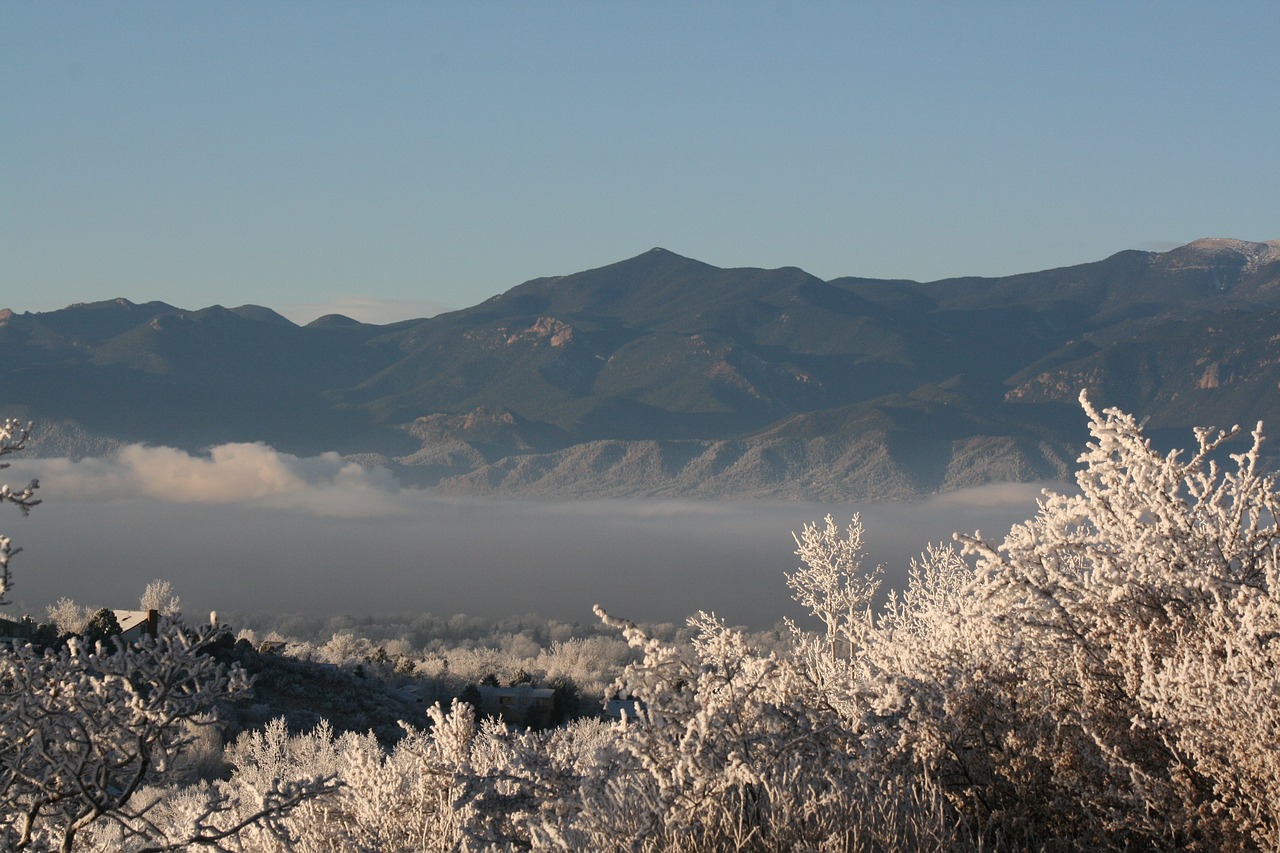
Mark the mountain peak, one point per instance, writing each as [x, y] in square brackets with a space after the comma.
[1216, 244]
[333, 321]
[665, 375]
[658, 256]
[260, 314]
[1217, 251]
[118, 302]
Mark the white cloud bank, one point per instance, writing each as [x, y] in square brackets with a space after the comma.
[246, 527]
[249, 474]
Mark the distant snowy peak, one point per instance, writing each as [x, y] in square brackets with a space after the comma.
[1223, 251]
[1243, 246]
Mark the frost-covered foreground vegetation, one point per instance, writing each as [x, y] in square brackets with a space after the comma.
[1104, 677]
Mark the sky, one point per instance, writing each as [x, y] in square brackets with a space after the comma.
[390, 160]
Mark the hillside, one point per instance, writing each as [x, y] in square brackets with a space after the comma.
[662, 375]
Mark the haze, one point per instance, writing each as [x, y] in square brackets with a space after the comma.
[247, 528]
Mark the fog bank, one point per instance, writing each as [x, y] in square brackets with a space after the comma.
[247, 528]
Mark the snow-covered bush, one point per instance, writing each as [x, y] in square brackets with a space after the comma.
[83, 728]
[86, 726]
[405, 798]
[738, 750]
[1106, 676]
[1131, 631]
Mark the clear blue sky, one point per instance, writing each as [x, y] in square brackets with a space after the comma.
[383, 158]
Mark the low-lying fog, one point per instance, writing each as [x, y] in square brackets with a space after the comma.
[246, 528]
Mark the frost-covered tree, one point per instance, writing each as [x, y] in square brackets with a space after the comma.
[68, 616]
[160, 597]
[84, 725]
[1141, 617]
[1106, 676]
[83, 728]
[13, 438]
[831, 582]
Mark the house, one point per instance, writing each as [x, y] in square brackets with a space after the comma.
[620, 709]
[135, 623]
[521, 705]
[20, 629]
[414, 694]
[272, 647]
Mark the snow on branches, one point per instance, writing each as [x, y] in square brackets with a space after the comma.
[86, 725]
[1106, 676]
[83, 728]
[13, 438]
[1145, 611]
[831, 583]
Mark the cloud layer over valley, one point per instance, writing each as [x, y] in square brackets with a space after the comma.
[240, 473]
[246, 527]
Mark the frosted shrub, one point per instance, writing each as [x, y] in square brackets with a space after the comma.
[1106, 676]
[740, 751]
[160, 597]
[1216, 701]
[67, 616]
[89, 731]
[932, 699]
[1138, 601]
[404, 799]
[84, 728]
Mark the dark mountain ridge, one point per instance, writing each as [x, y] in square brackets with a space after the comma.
[662, 375]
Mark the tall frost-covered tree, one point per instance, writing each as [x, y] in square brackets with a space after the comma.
[831, 583]
[13, 438]
[159, 596]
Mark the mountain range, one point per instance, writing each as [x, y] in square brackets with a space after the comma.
[664, 376]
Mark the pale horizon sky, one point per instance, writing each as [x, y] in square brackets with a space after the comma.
[388, 160]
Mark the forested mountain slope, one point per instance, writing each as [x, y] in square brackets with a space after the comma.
[662, 375]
